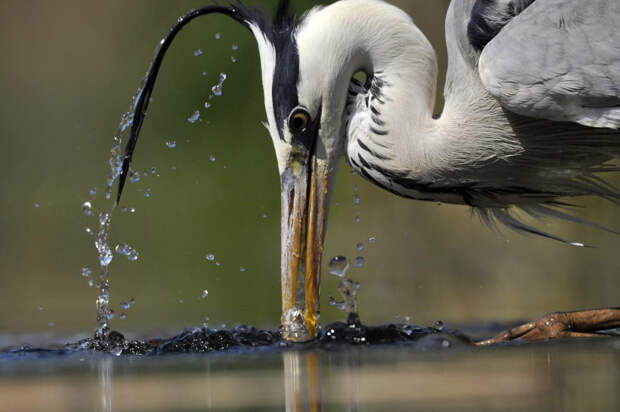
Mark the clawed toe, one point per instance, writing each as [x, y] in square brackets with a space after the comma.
[585, 324]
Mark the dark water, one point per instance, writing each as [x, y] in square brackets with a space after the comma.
[339, 335]
[554, 376]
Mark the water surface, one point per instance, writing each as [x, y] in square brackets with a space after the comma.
[566, 376]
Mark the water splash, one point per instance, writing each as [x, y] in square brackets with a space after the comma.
[104, 251]
[347, 288]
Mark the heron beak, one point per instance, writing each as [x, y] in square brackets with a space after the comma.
[304, 185]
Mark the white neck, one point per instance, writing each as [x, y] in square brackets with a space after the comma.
[378, 38]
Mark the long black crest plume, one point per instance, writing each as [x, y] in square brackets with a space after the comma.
[144, 96]
[284, 20]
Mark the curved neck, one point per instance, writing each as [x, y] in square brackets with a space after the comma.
[380, 39]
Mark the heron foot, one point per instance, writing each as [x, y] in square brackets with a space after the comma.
[583, 324]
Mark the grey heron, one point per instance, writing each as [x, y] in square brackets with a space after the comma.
[531, 117]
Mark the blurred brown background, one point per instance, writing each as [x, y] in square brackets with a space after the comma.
[68, 71]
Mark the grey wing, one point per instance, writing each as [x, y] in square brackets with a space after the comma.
[558, 60]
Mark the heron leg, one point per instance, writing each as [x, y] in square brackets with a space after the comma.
[583, 324]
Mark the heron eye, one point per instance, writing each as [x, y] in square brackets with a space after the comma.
[299, 121]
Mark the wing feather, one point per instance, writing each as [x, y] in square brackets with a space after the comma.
[558, 60]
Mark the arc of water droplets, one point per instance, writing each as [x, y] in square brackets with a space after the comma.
[104, 252]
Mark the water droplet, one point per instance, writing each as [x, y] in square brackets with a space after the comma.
[235, 47]
[87, 271]
[132, 301]
[207, 105]
[355, 188]
[87, 208]
[372, 239]
[180, 300]
[265, 216]
[122, 316]
[357, 219]
[198, 52]
[52, 324]
[241, 269]
[104, 219]
[356, 200]
[37, 205]
[41, 308]
[88, 230]
[205, 293]
[205, 324]
[360, 247]
[217, 89]
[359, 262]
[210, 257]
[233, 59]
[438, 325]
[105, 254]
[125, 305]
[147, 192]
[407, 319]
[336, 303]
[93, 191]
[111, 315]
[194, 117]
[218, 36]
[126, 250]
[132, 210]
[218, 264]
[134, 177]
[212, 158]
[171, 144]
[338, 266]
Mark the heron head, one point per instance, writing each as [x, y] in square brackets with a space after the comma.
[308, 147]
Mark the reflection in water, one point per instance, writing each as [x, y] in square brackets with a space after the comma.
[543, 377]
[302, 384]
[105, 368]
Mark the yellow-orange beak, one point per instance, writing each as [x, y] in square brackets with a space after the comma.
[304, 185]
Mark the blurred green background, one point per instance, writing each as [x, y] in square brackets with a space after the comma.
[68, 71]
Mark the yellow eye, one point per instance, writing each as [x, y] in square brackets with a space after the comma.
[299, 121]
